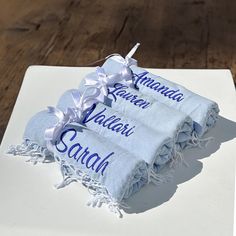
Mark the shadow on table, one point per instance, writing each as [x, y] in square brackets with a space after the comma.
[152, 196]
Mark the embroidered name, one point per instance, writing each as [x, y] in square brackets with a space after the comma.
[120, 90]
[112, 123]
[157, 86]
[80, 154]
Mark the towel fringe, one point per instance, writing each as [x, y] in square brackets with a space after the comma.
[167, 174]
[101, 198]
[177, 159]
[196, 141]
[36, 153]
[65, 182]
[159, 178]
[99, 194]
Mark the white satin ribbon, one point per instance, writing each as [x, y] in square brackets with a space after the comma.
[82, 103]
[103, 81]
[96, 92]
[53, 132]
[128, 60]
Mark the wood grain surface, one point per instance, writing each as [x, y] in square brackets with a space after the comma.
[173, 34]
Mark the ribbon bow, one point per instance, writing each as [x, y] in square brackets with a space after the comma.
[103, 81]
[126, 73]
[53, 132]
[95, 92]
[84, 101]
[128, 60]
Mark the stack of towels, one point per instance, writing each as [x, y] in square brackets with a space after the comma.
[120, 130]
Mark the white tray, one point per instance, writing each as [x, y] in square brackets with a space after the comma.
[198, 202]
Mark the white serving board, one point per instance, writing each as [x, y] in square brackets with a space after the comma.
[199, 201]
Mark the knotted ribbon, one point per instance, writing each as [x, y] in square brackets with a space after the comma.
[103, 81]
[128, 60]
[96, 91]
[82, 103]
[53, 132]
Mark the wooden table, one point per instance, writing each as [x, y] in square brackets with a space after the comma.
[173, 34]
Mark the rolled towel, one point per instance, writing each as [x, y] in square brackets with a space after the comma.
[203, 111]
[155, 148]
[155, 115]
[111, 173]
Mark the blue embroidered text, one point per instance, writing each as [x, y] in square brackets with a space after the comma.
[112, 123]
[82, 154]
[142, 79]
[120, 90]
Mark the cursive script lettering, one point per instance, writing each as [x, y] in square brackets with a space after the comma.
[80, 154]
[120, 91]
[144, 80]
[112, 123]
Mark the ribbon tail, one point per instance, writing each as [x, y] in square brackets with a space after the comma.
[132, 51]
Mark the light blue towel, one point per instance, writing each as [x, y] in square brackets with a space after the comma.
[145, 109]
[203, 111]
[112, 173]
[155, 148]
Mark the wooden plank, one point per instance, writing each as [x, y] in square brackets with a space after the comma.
[174, 34]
